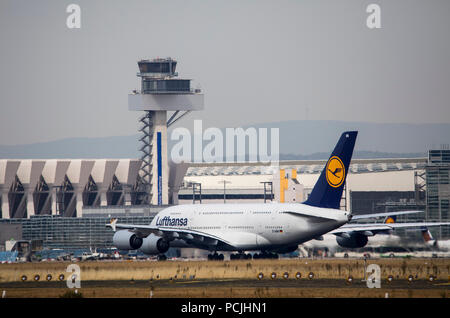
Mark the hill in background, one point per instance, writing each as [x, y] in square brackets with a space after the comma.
[298, 140]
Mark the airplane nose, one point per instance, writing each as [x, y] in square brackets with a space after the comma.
[349, 217]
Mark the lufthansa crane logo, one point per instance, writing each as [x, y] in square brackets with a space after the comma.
[389, 220]
[335, 172]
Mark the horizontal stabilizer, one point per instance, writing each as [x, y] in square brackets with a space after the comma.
[376, 215]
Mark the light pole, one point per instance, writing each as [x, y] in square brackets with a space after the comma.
[224, 191]
[196, 189]
[266, 191]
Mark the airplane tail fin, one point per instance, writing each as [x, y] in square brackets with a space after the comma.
[327, 192]
[427, 237]
[390, 219]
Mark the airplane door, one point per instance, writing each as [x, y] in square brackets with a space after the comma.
[261, 221]
[259, 231]
[192, 217]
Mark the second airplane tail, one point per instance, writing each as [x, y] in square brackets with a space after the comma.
[327, 192]
[427, 237]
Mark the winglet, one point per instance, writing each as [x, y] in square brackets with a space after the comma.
[427, 237]
[389, 219]
[112, 224]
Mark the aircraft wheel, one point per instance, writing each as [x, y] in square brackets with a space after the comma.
[216, 257]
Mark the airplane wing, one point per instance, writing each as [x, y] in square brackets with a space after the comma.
[371, 229]
[188, 235]
[376, 215]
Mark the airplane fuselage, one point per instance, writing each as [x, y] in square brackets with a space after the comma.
[245, 227]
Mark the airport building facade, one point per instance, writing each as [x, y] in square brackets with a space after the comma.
[69, 233]
[64, 186]
[437, 178]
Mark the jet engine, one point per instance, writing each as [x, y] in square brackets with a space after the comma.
[355, 240]
[153, 244]
[126, 240]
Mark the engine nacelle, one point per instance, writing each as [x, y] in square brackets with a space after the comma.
[356, 240]
[126, 240]
[153, 244]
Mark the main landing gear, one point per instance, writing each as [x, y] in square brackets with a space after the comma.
[215, 257]
[265, 255]
[240, 256]
[162, 257]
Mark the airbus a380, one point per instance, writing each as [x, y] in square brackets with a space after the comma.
[267, 227]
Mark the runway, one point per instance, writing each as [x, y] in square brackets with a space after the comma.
[240, 279]
[264, 288]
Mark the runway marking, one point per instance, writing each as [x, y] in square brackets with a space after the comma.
[205, 281]
[442, 284]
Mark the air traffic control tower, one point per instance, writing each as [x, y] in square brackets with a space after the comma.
[161, 91]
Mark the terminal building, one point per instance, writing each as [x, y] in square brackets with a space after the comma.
[64, 187]
[437, 177]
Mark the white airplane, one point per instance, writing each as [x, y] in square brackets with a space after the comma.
[329, 242]
[386, 238]
[269, 228]
[430, 241]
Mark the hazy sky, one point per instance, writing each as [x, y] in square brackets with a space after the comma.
[256, 61]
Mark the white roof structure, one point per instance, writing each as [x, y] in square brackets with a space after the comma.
[304, 166]
[27, 187]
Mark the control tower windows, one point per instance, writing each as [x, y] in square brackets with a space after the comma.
[172, 85]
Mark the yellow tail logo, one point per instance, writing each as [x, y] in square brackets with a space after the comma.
[335, 172]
